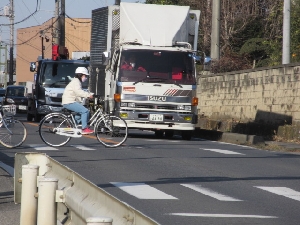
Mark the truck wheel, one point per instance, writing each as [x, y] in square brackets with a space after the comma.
[187, 135]
[37, 118]
[29, 117]
[159, 134]
[169, 134]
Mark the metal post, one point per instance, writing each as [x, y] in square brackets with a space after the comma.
[62, 23]
[56, 32]
[99, 221]
[11, 49]
[286, 32]
[215, 30]
[43, 46]
[47, 214]
[28, 199]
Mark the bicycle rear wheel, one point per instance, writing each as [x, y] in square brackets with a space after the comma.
[111, 131]
[47, 129]
[12, 133]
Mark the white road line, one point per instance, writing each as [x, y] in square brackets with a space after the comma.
[81, 147]
[40, 147]
[7, 168]
[226, 143]
[142, 191]
[153, 140]
[211, 193]
[222, 215]
[227, 152]
[283, 191]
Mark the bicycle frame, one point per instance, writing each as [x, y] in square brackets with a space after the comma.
[76, 132]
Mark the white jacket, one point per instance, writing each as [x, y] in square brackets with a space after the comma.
[73, 92]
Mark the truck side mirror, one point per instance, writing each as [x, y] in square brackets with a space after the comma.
[105, 58]
[32, 67]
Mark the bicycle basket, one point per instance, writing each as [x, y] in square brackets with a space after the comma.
[9, 110]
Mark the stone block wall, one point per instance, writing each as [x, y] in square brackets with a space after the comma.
[264, 95]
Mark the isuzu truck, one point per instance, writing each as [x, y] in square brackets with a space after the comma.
[142, 65]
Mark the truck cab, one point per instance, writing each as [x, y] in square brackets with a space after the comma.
[52, 76]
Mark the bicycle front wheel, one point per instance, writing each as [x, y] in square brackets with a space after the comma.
[47, 129]
[111, 131]
[12, 133]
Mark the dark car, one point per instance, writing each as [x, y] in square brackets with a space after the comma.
[2, 93]
[16, 95]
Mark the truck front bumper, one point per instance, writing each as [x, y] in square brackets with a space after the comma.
[159, 120]
[46, 109]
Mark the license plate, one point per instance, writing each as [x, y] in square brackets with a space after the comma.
[156, 117]
[23, 107]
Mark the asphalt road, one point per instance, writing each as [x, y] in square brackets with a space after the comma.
[182, 182]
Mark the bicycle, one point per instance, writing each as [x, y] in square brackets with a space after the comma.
[12, 131]
[57, 129]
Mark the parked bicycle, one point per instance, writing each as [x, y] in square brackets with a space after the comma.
[57, 129]
[12, 131]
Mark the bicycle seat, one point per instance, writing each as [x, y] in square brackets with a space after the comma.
[68, 112]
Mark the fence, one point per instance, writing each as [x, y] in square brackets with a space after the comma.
[51, 193]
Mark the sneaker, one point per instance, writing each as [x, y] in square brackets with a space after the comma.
[87, 131]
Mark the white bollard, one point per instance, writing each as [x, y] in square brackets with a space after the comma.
[28, 200]
[99, 221]
[47, 214]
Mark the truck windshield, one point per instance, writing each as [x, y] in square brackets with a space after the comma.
[59, 74]
[156, 67]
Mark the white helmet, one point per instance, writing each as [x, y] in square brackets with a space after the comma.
[82, 70]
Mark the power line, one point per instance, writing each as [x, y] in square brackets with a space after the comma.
[9, 24]
[76, 20]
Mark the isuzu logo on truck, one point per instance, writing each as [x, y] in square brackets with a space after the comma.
[157, 98]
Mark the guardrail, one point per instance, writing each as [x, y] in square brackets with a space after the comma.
[51, 193]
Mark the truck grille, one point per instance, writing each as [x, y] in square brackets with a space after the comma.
[145, 106]
[55, 99]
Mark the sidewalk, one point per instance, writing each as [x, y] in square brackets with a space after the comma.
[9, 211]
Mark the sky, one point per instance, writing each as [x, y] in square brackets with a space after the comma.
[46, 10]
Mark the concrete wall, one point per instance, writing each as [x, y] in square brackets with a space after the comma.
[270, 95]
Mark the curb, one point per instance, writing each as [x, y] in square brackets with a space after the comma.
[235, 138]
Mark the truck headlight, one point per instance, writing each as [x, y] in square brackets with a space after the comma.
[184, 107]
[131, 104]
[10, 100]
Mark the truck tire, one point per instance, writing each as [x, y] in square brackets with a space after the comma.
[29, 117]
[187, 134]
[37, 118]
[159, 134]
[169, 134]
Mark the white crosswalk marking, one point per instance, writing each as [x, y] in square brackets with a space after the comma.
[41, 147]
[210, 193]
[142, 190]
[222, 215]
[81, 147]
[283, 191]
[7, 168]
[222, 151]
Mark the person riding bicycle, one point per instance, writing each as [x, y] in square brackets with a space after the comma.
[71, 98]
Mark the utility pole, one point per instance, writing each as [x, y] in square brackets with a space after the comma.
[286, 32]
[56, 32]
[215, 30]
[4, 64]
[62, 23]
[11, 48]
[59, 25]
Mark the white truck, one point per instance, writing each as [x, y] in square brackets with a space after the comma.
[159, 92]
